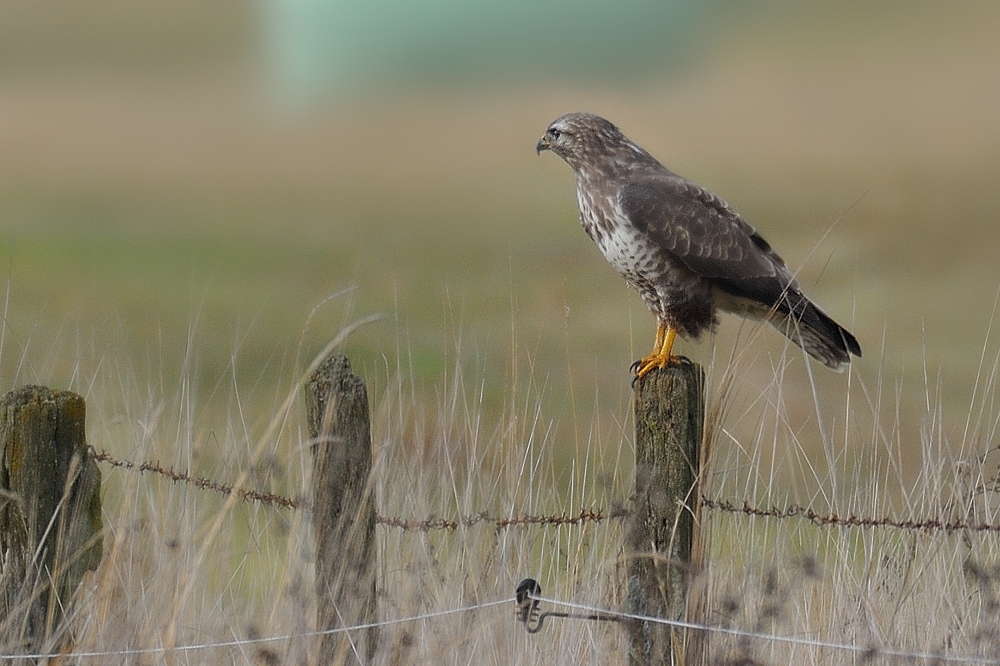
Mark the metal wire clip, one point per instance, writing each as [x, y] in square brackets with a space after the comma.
[526, 597]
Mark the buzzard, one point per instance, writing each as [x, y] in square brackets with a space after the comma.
[685, 251]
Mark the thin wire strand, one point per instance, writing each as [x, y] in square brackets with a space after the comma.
[793, 640]
[255, 641]
[868, 651]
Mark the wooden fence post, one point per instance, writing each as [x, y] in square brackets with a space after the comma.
[343, 511]
[669, 413]
[50, 515]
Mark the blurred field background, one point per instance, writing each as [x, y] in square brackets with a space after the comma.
[182, 186]
[188, 189]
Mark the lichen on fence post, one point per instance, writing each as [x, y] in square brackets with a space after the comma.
[50, 514]
[669, 416]
[343, 511]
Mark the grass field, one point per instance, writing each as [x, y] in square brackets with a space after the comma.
[177, 245]
[184, 567]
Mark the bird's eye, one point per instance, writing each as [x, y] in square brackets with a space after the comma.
[554, 134]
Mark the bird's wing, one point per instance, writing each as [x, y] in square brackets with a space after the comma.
[707, 236]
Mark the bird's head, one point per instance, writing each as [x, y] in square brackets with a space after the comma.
[582, 139]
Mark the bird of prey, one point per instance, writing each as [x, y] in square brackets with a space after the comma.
[685, 251]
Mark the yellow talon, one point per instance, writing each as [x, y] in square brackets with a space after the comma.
[660, 357]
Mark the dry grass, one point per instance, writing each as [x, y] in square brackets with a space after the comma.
[889, 589]
[184, 567]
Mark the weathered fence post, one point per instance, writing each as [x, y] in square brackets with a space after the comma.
[669, 415]
[50, 515]
[343, 511]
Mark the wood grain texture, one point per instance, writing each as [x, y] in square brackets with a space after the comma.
[50, 514]
[669, 409]
[343, 510]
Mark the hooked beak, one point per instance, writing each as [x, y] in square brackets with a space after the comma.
[543, 144]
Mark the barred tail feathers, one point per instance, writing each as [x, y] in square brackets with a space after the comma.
[816, 332]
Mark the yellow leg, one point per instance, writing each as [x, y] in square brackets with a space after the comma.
[660, 356]
[661, 335]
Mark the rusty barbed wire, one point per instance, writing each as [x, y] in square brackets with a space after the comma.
[406, 524]
[501, 522]
[199, 482]
[833, 519]
[584, 516]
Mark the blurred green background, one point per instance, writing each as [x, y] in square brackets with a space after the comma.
[183, 184]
